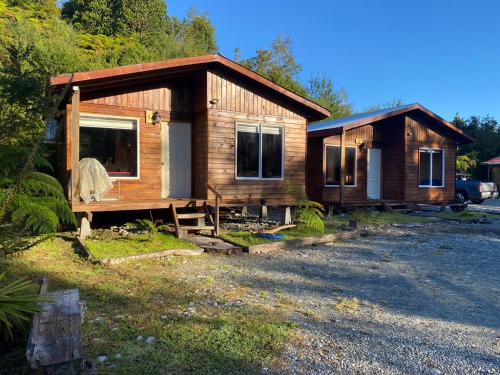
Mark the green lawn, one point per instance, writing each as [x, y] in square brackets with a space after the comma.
[466, 215]
[114, 246]
[152, 298]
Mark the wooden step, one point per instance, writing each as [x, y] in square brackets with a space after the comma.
[196, 227]
[194, 215]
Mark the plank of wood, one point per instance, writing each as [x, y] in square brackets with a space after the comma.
[159, 254]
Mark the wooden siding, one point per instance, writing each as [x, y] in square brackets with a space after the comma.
[167, 96]
[237, 102]
[214, 134]
[393, 156]
[399, 138]
[421, 132]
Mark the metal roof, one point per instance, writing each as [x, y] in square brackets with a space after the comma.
[341, 122]
[494, 161]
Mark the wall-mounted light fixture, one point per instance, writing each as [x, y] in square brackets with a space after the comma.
[214, 101]
[156, 118]
[363, 146]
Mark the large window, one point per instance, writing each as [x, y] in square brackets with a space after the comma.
[333, 166]
[113, 141]
[259, 152]
[431, 167]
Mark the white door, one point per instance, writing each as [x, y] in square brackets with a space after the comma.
[374, 172]
[176, 160]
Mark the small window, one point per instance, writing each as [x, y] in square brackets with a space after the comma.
[333, 166]
[259, 152]
[112, 141]
[431, 168]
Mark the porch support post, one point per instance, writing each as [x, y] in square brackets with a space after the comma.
[75, 144]
[342, 166]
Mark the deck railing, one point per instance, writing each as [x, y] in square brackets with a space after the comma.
[218, 199]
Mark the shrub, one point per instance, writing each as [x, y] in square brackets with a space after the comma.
[17, 304]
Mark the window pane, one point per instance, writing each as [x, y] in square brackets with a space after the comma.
[116, 149]
[350, 166]
[425, 167]
[272, 152]
[247, 152]
[333, 165]
[437, 168]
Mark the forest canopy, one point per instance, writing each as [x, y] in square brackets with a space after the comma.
[41, 38]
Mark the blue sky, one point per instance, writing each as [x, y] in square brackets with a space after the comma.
[444, 54]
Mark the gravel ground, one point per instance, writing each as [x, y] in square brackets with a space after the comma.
[489, 205]
[408, 300]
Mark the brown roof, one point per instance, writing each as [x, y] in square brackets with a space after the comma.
[322, 129]
[494, 161]
[135, 71]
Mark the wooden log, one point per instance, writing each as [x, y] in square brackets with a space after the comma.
[159, 254]
[307, 241]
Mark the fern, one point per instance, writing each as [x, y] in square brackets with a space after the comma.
[35, 217]
[41, 184]
[17, 304]
[40, 205]
[308, 211]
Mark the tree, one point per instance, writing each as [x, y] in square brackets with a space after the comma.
[113, 17]
[465, 163]
[387, 105]
[486, 145]
[321, 90]
[278, 64]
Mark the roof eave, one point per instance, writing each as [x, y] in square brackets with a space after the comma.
[314, 110]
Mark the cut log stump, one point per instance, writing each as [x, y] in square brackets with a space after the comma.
[55, 343]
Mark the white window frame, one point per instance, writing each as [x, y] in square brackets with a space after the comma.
[137, 121]
[260, 178]
[355, 166]
[432, 151]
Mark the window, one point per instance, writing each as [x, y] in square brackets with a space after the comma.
[112, 141]
[431, 167]
[333, 166]
[259, 152]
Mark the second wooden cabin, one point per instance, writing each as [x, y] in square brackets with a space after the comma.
[398, 155]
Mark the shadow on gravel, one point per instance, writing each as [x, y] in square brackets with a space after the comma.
[447, 277]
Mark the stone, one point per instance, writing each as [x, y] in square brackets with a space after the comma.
[102, 358]
[85, 230]
[164, 317]
[433, 371]
[151, 340]
[140, 338]
[118, 356]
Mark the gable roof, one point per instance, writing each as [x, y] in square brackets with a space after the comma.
[142, 70]
[361, 119]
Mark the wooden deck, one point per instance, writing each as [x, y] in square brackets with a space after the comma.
[133, 205]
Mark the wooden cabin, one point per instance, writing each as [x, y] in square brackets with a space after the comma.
[398, 155]
[493, 173]
[182, 131]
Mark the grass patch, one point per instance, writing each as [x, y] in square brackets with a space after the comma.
[381, 218]
[347, 305]
[115, 246]
[151, 298]
[466, 215]
[246, 239]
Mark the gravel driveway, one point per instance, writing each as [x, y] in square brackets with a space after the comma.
[413, 300]
[489, 205]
